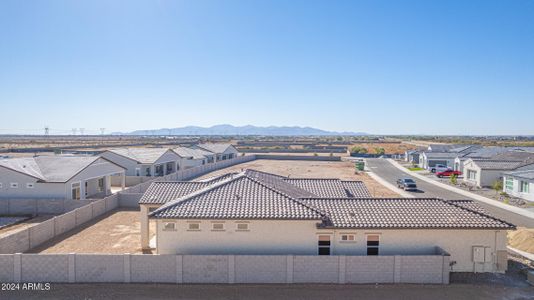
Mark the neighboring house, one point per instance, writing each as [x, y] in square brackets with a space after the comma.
[484, 172]
[519, 184]
[193, 157]
[443, 154]
[58, 177]
[148, 162]
[480, 153]
[160, 193]
[221, 151]
[254, 213]
[431, 159]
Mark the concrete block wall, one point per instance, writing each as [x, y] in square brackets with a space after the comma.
[129, 199]
[38, 206]
[41, 233]
[223, 268]
[16, 242]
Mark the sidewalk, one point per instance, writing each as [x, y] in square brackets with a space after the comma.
[489, 201]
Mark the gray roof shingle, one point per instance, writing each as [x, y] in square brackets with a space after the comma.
[53, 168]
[331, 188]
[504, 165]
[141, 155]
[214, 147]
[403, 213]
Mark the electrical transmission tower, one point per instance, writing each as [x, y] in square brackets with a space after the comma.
[46, 130]
[74, 131]
[82, 130]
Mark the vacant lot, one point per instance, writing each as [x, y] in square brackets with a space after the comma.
[390, 148]
[115, 232]
[312, 169]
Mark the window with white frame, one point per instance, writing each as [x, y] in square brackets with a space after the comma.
[193, 226]
[169, 226]
[29, 185]
[14, 185]
[242, 226]
[217, 226]
[347, 237]
[471, 175]
[509, 184]
[523, 187]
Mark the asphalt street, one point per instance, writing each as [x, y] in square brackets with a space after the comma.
[390, 173]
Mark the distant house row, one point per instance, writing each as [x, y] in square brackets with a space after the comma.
[153, 162]
[483, 166]
[84, 177]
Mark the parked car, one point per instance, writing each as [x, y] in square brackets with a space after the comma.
[406, 184]
[448, 172]
[438, 168]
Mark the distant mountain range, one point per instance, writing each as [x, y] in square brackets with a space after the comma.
[239, 130]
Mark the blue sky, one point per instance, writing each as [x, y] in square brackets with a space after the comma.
[385, 67]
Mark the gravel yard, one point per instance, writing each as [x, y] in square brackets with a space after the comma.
[311, 169]
[116, 232]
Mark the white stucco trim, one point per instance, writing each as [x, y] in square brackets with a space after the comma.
[489, 201]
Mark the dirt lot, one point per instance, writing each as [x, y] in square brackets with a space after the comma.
[522, 239]
[115, 232]
[312, 169]
[391, 148]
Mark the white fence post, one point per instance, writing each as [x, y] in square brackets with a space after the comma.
[397, 261]
[127, 273]
[289, 269]
[179, 269]
[72, 267]
[17, 267]
[231, 269]
[342, 269]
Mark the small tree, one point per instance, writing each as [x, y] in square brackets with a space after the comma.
[454, 179]
[360, 150]
[497, 186]
[315, 154]
[331, 154]
[380, 151]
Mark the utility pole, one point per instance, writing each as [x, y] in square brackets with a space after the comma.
[102, 133]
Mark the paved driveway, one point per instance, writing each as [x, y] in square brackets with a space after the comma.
[390, 173]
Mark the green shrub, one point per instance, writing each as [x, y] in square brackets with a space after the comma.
[454, 179]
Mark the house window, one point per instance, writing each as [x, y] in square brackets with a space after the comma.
[509, 184]
[242, 226]
[169, 226]
[75, 187]
[101, 184]
[217, 226]
[14, 185]
[137, 171]
[323, 245]
[194, 226]
[372, 244]
[523, 187]
[471, 175]
[29, 185]
[347, 238]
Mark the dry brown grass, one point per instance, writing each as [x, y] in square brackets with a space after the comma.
[312, 169]
[391, 148]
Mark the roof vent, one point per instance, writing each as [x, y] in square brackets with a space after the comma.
[238, 197]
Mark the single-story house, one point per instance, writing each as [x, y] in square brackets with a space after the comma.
[519, 184]
[484, 172]
[193, 157]
[148, 162]
[160, 193]
[252, 213]
[480, 153]
[221, 151]
[57, 177]
[431, 159]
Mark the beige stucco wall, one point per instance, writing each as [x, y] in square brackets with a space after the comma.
[300, 237]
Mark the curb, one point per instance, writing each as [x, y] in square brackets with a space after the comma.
[489, 201]
[388, 185]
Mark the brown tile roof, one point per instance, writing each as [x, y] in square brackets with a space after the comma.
[403, 213]
[161, 192]
[241, 197]
[331, 188]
